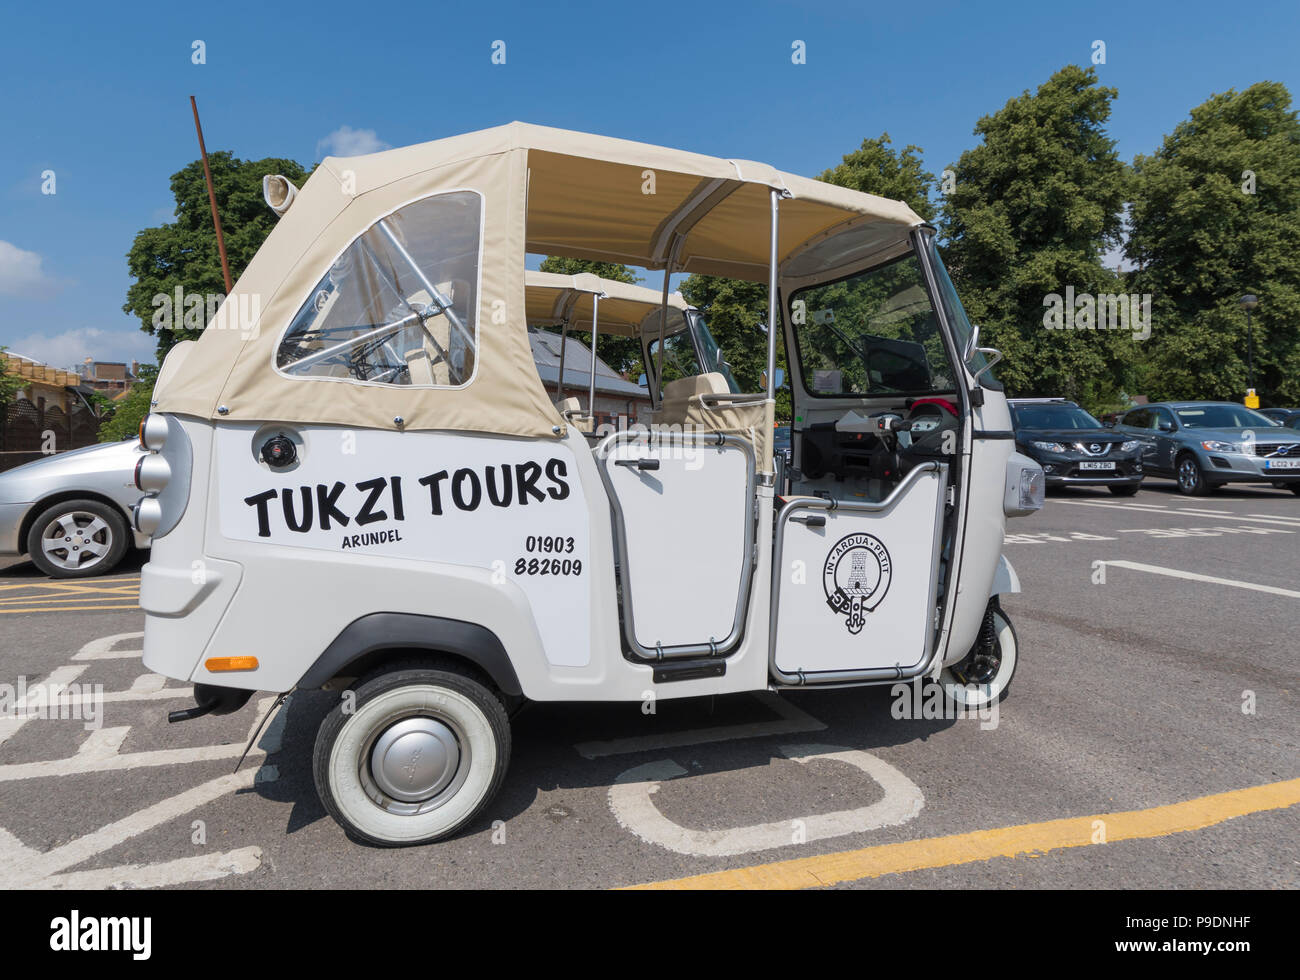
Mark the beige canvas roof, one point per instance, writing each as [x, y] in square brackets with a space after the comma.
[625, 308]
[544, 191]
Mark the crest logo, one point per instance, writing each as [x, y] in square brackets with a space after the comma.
[856, 577]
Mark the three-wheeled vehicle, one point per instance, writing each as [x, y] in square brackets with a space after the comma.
[366, 487]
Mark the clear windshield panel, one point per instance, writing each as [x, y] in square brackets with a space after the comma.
[1053, 417]
[872, 333]
[398, 306]
[1222, 417]
[679, 359]
[713, 355]
[956, 313]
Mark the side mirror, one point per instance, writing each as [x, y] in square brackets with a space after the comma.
[1166, 427]
[780, 380]
[992, 354]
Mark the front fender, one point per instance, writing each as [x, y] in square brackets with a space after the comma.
[1005, 579]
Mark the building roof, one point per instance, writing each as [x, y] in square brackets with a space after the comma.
[577, 363]
[33, 370]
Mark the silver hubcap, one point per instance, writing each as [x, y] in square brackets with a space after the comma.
[414, 765]
[76, 540]
[1187, 474]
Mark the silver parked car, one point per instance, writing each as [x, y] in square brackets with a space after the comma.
[70, 513]
[1204, 445]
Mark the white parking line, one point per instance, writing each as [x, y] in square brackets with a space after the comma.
[630, 800]
[102, 648]
[98, 758]
[1197, 577]
[792, 721]
[1285, 521]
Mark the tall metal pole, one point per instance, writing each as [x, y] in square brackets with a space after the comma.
[212, 199]
[564, 347]
[591, 398]
[1250, 352]
[771, 298]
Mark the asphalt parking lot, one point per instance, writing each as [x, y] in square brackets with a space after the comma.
[1150, 741]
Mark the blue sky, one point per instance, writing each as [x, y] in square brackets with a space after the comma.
[98, 93]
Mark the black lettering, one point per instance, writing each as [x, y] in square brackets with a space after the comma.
[260, 501]
[345, 542]
[499, 498]
[556, 471]
[476, 490]
[326, 498]
[286, 500]
[368, 514]
[399, 508]
[435, 494]
[526, 475]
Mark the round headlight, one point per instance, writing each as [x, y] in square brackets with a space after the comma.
[147, 515]
[153, 432]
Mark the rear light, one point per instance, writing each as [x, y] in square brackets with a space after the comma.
[152, 473]
[153, 432]
[147, 515]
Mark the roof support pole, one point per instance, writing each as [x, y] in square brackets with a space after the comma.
[656, 392]
[595, 314]
[771, 296]
[564, 347]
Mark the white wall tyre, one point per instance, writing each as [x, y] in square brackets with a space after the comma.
[979, 680]
[420, 755]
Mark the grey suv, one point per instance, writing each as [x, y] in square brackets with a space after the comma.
[1204, 445]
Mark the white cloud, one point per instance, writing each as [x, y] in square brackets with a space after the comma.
[70, 348]
[348, 142]
[21, 273]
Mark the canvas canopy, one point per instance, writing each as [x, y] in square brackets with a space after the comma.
[350, 247]
[625, 309]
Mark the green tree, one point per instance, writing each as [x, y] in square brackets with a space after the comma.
[1216, 214]
[876, 168]
[10, 383]
[131, 408]
[623, 354]
[1034, 207]
[183, 253]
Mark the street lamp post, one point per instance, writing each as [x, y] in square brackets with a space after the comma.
[1248, 303]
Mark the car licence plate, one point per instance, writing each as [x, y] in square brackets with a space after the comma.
[1108, 465]
[1282, 464]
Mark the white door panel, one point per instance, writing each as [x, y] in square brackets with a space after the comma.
[858, 591]
[687, 538]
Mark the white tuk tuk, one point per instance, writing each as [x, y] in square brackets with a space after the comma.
[358, 481]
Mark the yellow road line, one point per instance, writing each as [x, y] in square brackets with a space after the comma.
[61, 599]
[67, 583]
[6, 612]
[983, 845]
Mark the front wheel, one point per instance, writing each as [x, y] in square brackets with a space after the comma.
[1191, 480]
[413, 758]
[984, 675]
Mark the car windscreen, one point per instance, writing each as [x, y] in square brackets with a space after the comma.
[1053, 417]
[1221, 417]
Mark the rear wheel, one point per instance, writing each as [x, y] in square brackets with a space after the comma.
[414, 757]
[1191, 479]
[77, 539]
[984, 675]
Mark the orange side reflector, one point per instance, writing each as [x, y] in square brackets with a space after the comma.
[218, 664]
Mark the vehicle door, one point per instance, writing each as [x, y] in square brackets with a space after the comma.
[1164, 438]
